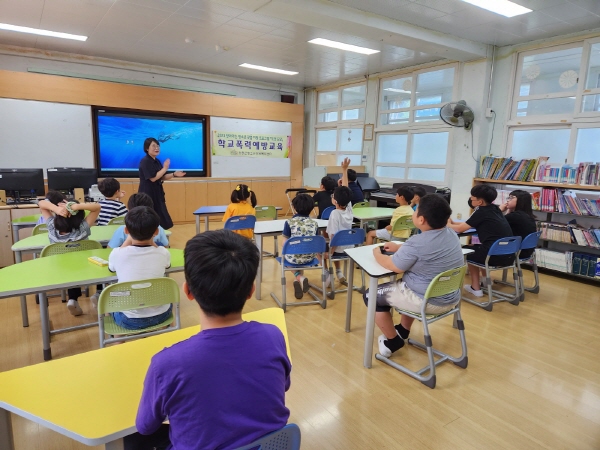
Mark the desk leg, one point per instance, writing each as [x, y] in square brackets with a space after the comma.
[6, 436]
[197, 224]
[368, 362]
[15, 230]
[205, 223]
[349, 295]
[45, 321]
[24, 315]
[259, 244]
[119, 444]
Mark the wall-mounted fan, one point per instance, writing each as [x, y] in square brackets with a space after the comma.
[457, 114]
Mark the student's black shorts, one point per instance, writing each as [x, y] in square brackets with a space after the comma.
[480, 253]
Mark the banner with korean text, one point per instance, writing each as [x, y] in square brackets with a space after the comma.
[230, 143]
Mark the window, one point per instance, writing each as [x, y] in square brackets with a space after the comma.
[412, 156]
[340, 122]
[417, 97]
[551, 142]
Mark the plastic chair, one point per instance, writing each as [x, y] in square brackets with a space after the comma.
[298, 246]
[445, 283]
[40, 228]
[401, 224]
[529, 242]
[286, 438]
[327, 212]
[361, 205]
[120, 220]
[236, 223]
[268, 212]
[505, 246]
[135, 295]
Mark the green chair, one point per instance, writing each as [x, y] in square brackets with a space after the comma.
[40, 228]
[129, 295]
[401, 224]
[117, 221]
[445, 283]
[361, 205]
[269, 213]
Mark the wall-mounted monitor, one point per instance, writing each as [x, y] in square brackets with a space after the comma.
[119, 141]
[22, 183]
[66, 179]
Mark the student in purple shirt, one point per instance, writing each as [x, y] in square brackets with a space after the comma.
[225, 386]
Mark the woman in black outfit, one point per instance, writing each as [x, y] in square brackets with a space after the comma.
[519, 216]
[152, 175]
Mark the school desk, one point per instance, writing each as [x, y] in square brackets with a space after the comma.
[371, 213]
[207, 211]
[363, 257]
[50, 394]
[23, 222]
[271, 228]
[61, 272]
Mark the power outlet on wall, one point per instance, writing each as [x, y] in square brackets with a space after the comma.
[364, 158]
[488, 112]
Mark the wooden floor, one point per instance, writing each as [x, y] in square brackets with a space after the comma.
[533, 379]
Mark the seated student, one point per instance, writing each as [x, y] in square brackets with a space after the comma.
[491, 225]
[300, 225]
[404, 196]
[519, 215]
[323, 197]
[119, 236]
[140, 259]
[419, 260]
[340, 218]
[225, 386]
[357, 193]
[54, 197]
[418, 192]
[239, 206]
[111, 206]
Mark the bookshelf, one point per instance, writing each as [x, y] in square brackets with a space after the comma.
[556, 251]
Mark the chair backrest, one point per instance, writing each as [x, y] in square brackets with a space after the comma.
[40, 228]
[530, 241]
[65, 247]
[266, 212]
[403, 223]
[361, 205]
[446, 282]
[240, 223]
[138, 294]
[327, 212]
[354, 236]
[505, 246]
[304, 244]
[117, 221]
[286, 438]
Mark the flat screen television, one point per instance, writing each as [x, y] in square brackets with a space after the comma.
[66, 179]
[119, 141]
[22, 183]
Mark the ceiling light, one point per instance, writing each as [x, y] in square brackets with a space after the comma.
[342, 46]
[268, 69]
[397, 90]
[503, 7]
[9, 27]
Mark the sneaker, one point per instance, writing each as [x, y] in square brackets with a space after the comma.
[305, 285]
[74, 308]
[94, 299]
[476, 293]
[298, 290]
[328, 280]
[341, 278]
[383, 349]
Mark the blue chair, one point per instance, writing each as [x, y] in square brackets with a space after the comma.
[327, 212]
[354, 237]
[298, 246]
[287, 438]
[505, 246]
[237, 223]
[530, 242]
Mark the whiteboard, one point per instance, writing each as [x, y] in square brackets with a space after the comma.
[240, 166]
[43, 134]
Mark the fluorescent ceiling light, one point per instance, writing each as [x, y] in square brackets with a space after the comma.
[9, 27]
[268, 69]
[397, 90]
[342, 46]
[502, 7]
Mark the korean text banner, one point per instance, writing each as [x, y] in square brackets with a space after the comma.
[229, 143]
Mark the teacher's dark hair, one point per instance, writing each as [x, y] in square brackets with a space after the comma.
[149, 142]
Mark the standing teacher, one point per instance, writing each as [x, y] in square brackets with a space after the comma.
[152, 175]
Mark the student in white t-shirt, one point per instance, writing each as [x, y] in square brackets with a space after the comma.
[140, 258]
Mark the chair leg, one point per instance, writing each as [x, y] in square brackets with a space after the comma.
[517, 297]
[330, 289]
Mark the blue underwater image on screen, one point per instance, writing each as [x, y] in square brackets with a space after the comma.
[121, 142]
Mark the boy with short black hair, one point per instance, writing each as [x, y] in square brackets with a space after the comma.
[225, 386]
[418, 192]
[357, 193]
[300, 225]
[404, 196]
[111, 206]
[140, 259]
[419, 260]
[323, 198]
[491, 225]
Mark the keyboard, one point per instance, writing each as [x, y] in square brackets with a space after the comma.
[21, 202]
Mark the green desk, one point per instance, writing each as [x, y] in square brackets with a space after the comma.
[371, 213]
[61, 272]
[23, 222]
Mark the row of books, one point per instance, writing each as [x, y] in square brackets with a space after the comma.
[570, 233]
[564, 201]
[499, 168]
[584, 264]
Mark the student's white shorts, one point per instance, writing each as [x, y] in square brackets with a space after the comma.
[384, 234]
[398, 295]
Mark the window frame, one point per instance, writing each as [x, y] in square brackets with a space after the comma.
[582, 91]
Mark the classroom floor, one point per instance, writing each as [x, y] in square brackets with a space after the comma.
[533, 379]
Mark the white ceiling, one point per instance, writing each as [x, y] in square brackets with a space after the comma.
[222, 34]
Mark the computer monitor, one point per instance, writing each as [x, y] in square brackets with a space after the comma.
[22, 183]
[368, 184]
[66, 179]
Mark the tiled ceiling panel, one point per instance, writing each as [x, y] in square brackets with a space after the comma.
[215, 36]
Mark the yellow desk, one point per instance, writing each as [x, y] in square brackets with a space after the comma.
[49, 394]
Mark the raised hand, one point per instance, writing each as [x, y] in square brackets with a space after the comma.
[345, 163]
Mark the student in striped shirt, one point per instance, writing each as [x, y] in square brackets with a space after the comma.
[111, 206]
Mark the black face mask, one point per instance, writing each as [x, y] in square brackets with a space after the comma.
[470, 204]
